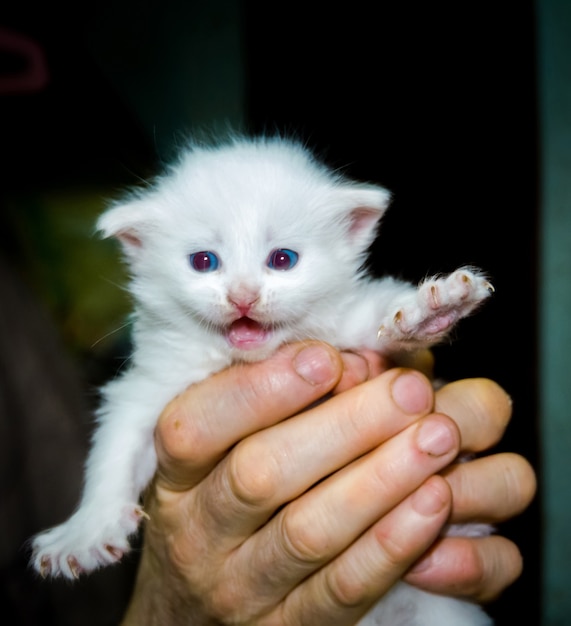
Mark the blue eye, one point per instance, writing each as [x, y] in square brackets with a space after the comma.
[204, 261]
[282, 259]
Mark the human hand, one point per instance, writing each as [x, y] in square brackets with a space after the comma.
[311, 519]
[490, 489]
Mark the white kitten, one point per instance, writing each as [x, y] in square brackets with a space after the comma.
[237, 249]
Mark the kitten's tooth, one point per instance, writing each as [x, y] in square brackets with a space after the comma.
[381, 331]
[490, 287]
[397, 319]
[434, 294]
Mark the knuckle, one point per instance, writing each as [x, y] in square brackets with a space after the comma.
[304, 540]
[226, 602]
[254, 473]
[343, 590]
[394, 551]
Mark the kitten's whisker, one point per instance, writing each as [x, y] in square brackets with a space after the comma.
[112, 332]
[124, 288]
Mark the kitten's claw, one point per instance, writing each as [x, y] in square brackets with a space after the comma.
[423, 317]
[45, 567]
[139, 512]
[93, 537]
[116, 553]
[74, 567]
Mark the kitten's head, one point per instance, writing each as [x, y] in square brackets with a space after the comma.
[253, 240]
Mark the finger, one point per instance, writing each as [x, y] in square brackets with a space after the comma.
[377, 362]
[491, 489]
[276, 465]
[270, 467]
[480, 407]
[478, 568]
[345, 589]
[319, 525]
[198, 426]
[360, 366]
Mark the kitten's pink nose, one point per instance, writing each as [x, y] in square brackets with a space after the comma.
[243, 299]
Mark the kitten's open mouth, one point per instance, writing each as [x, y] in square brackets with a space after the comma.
[247, 334]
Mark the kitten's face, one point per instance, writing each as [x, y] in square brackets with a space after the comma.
[253, 242]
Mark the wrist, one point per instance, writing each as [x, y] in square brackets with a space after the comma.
[161, 596]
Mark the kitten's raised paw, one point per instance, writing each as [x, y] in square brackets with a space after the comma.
[87, 541]
[423, 317]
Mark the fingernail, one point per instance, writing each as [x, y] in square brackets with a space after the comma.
[411, 393]
[434, 437]
[314, 364]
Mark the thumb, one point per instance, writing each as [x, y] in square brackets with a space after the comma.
[197, 428]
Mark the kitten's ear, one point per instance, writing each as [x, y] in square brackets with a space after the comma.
[364, 208]
[128, 223]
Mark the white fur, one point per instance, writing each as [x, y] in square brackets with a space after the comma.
[242, 200]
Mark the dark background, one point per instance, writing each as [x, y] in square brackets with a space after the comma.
[436, 101]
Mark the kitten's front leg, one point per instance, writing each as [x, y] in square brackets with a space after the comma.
[121, 462]
[421, 317]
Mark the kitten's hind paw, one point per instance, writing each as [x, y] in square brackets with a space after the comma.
[425, 316]
[87, 541]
